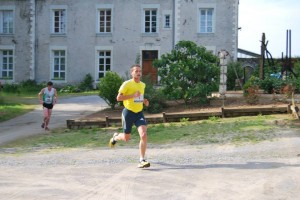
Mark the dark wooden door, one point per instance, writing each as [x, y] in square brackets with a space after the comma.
[148, 69]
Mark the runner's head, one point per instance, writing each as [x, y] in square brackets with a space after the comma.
[49, 84]
[136, 72]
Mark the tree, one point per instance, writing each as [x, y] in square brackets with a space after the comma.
[108, 88]
[188, 72]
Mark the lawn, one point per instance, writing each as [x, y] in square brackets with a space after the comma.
[250, 129]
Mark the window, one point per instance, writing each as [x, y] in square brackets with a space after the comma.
[104, 20]
[104, 63]
[167, 21]
[59, 65]
[7, 64]
[206, 20]
[150, 20]
[6, 21]
[59, 20]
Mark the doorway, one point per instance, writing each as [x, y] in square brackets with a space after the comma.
[148, 69]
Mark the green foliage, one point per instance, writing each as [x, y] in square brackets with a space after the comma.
[108, 88]
[188, 72]
[9, 111]
[271, 84]
[87, 83]
[184, 120]
[296, 80]
[70, 89]
[24, 87]
[234, 71]
[252, 82]
[154, 95]
[11, 88]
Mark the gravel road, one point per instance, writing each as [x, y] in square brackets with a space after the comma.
[268, 170]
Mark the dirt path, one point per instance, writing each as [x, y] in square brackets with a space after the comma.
[269, 170]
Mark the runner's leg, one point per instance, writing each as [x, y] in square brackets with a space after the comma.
[143, 140]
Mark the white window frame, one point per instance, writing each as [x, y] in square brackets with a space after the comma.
[52, 63]
[150, 7]
[100, 8]
[206, 7]
[62, 20]
[169, 14]
[2, 49]
[11, 21]
[97, 63]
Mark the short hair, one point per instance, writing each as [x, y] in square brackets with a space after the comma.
[135, 65]
[50, 83]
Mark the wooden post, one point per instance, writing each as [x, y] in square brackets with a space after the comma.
[262, 58]
[164, 117]
[223, 112]
[106, 121]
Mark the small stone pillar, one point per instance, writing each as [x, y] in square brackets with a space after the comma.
[224, 57]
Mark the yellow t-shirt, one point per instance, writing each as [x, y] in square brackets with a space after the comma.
[130, 87]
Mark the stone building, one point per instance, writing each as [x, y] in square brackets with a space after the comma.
[63, 40]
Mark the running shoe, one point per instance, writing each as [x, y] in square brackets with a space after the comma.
[112, 141]
[43, 125]
[144, 164]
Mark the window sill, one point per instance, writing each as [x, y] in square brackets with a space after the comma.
[58, 35]
[205, 34]
[59, 80]
[150, 35]
[103, 34]
[6, 34]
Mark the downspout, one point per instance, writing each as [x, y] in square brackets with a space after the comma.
[173, 27]
[176, 13]
[235, 29]
[32, 40]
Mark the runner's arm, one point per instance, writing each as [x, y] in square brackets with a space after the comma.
[55, 97]
[122, 97]
[40, 95]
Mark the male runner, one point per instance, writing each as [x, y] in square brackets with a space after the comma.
[48, 98]
[131, 93]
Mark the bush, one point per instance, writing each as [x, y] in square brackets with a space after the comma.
[28, 86]
[87, 83]
[253, 82]
[11, 88]
[155, 97]
[70, 89]
[271, 85]
[109, 87]
[184, 67]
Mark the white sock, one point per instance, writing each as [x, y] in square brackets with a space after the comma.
[141, 159]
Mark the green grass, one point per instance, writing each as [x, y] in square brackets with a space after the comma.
[9, 111]
[218, 131]
[13, 105]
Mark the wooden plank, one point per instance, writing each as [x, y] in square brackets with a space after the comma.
[175, 117]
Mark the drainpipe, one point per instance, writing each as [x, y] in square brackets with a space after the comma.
[173, 23]
[32, 40]
[176, 13]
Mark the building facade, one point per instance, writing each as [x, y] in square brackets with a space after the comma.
[63, 40]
